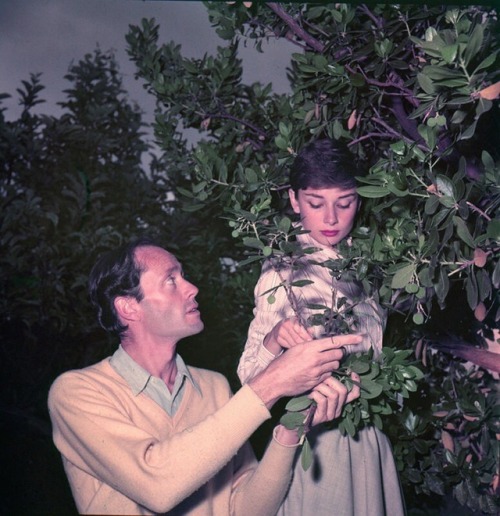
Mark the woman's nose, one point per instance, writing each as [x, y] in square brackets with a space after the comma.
[330, 216]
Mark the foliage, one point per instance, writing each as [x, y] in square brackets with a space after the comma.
[384, 382]
[413, 90]
[71, 187]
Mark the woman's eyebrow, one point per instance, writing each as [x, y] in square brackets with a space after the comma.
[317, 196]
[313, 195]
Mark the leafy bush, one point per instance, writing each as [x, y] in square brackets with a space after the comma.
[413, 90]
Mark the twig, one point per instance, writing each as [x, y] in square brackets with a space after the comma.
[368, 13]
[295, 27]
[239, 121]
[473, 207]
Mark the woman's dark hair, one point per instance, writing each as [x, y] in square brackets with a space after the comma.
[324, 164]
[116, 273]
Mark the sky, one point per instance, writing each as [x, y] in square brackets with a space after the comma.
[47, 35]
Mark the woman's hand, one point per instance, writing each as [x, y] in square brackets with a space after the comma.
[286, 334]
[330, 396]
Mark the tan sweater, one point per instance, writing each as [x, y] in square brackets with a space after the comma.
[123, 454]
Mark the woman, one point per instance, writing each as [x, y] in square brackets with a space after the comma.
[350, 476]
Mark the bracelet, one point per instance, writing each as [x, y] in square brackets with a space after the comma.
[296, 445]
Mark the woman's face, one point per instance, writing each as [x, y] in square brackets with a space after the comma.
[327, 213]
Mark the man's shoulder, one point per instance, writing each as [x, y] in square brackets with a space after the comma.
[207, 380]
[95, 373]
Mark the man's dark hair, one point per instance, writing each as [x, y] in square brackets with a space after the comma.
[324, 163]
[116, 273]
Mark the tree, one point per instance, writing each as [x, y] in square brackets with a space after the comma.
[413, 90]
[70, 187]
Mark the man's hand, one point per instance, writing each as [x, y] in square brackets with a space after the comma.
[330, 397]
[301, 368]
[286, 334]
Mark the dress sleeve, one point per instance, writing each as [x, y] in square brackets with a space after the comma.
[371, 320]
[256, 357]
[94, 431]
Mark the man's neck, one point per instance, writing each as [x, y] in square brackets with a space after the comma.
[158, 359]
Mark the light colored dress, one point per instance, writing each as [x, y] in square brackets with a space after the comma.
[349, 476]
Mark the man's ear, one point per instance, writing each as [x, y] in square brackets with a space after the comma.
[126, 308]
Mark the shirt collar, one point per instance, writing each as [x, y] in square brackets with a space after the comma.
[306, 240]
[137, 377]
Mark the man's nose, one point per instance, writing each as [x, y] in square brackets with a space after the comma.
[190, 289]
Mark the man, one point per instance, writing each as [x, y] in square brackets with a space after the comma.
[142, 433]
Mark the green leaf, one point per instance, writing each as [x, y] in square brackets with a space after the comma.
[281, 143]
[403, 276]
[426, 83]
[306, 456]
[431, 204]
[474, 44]
[348, 426]
[440, 73]
[284, 129]
[301, 283]
[458, 116]
[373, 192]
[471, 289]
[443, 285]
[445, 186]
[292, 420]
[449, 53]
[425, 277]
[493, 230]
[360, 367]
[370, 389]
[495, 277]
[299, 403]
[487, 160]
[469, 132]
[463, 232]
[485, 63]
[253, 242]
[337, 130]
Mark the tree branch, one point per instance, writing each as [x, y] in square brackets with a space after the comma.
[377, 21]
[226, 116]
[295, 27]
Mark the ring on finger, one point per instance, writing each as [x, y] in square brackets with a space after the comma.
[344, 351]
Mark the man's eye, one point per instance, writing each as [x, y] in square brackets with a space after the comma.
[315, 206]
[171, 279]
[344, 206]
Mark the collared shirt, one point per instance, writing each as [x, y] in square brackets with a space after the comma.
[155, 388]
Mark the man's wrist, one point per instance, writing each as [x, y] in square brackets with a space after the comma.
[264, 387]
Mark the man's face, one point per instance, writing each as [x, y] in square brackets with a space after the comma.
[328, 213]
[168, 308]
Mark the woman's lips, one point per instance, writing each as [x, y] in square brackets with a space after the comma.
[330, 233]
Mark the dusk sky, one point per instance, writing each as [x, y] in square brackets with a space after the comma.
[47, 35]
